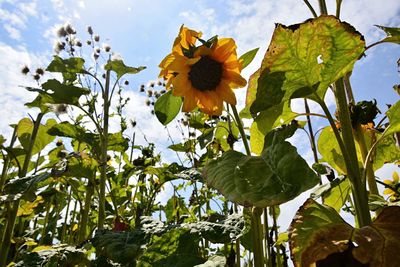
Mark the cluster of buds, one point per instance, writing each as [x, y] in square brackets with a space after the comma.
[39, 72]
[153, 91]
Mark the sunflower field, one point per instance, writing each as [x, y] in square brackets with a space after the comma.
[75, 193]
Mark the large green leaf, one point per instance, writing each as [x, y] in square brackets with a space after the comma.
[119, 67]
[329, 148]
[176, 248]
[175, 207]
[275, 177]
[302, 59]
[318, 235]
[222, 131]
[167, 107]
[392, 34]
[25, 187]
[24, 133]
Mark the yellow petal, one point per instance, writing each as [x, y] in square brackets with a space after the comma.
[166, 61]
[388, 191]
[189, 102]
[209, 102]
[395, 177]
[226, 93]
[234, 79]
[224, 49]
[389, 182]
[181, 84]
[179, 64]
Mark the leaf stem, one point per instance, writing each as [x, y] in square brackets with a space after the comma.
[311, 8]
[241, 130]
[312, 137]
[322, 7]
[338, 6]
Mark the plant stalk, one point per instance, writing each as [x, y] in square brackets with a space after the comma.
[7, 160]
[103, 169]
[85, 212]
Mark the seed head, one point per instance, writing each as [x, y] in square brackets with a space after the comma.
[88, 42]
[25, 70]
[149, 93]
[36, 77]
[62, 32]
[90, 30]
[96, 38]
[40, 71]
[70, 29]
[126, 82]
[107, 47]
[95, 56]
[147, 102]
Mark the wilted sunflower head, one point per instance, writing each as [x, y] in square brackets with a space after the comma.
[203, 75]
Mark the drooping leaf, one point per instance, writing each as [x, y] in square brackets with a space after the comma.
[248, 57]
[175, 207]
[386, 151]
[176, 248]
[25, 186]
[392, 34]
[314, 227]
[222, 132]
[56, 255]
[183, 147]
[319, 235]
[167, 107]
[275, 177]
[302, 59]
[119, 67]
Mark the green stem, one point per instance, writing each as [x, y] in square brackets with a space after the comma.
[71, 232]
[64, 228]
[322, 7]
[358, 188]
[267, 244]
[241, 130]
[85, 212]
[46, 220]
[311, 8]
[338, 6]
[312, 137]
[103, 169]
[12, 211]
[257, 231]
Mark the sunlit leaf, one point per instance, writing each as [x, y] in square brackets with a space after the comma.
[248, 57]
[175, 207]
[222, 131]
[392, 34]
[394, 118]
[25, 186]
[302, 59]
[214, 261]
[319, 235]
[167, 107]
[119, 67]
[28, 207]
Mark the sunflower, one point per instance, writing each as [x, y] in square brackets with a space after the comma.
[394, 184]
[205, 75]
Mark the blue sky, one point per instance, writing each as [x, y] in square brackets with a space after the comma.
[143, 32]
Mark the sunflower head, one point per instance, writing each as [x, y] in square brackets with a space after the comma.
[203, 75]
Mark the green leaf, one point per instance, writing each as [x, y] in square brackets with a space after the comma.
[55, 92]
[68, 67]
[394, 119]
[302, 59]
[329, 148]
[26, 187]
[386, 151]
[248, 57]
[185, 147]
[119, 67]
[320, 237]
[176, 248]
[2, 140]
[316, 226]
[56, 255]
[392, 34]
[175, 207]
[24, 133]
[277, 176]
[338, 194]
[222, 132]
[167, 107]
[206, 137]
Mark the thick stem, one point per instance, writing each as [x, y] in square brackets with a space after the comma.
[257, 231]
[358, 188]
[64, 228]
[267, 244]
[103, 169]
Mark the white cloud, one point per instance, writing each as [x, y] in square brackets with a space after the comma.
[28, 8]
[13, 32]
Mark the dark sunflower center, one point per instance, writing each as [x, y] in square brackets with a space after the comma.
[206, 74]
